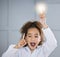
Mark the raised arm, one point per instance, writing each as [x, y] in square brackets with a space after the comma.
[50, 43]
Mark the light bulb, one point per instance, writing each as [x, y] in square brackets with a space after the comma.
[41, 8]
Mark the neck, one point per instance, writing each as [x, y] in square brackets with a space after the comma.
[31, 49]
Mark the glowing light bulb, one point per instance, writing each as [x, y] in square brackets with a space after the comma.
[41, 8]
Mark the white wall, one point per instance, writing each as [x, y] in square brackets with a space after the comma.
[14, 13]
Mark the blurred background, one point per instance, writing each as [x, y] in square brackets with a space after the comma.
[14, 13]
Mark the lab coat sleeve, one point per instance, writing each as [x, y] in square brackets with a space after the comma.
[50, 43]
[11, 52]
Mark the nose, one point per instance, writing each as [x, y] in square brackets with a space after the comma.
[33, 39]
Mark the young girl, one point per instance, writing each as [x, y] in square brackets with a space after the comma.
[37, 41]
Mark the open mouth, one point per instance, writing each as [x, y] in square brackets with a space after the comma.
[32, 44]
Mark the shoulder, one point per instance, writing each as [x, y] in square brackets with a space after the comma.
[10, 51]
[23, 50]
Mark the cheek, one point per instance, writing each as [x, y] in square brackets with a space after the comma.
[39, 39]
[28, 40]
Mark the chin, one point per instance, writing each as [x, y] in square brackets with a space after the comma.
[32, 48]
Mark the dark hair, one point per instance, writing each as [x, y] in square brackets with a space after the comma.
[34, 24]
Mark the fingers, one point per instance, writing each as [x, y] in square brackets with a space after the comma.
[22, 42]
[42, 15]
[23, 35]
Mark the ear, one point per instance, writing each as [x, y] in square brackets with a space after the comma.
[39, 38]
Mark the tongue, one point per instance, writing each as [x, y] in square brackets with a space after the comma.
[32, 44]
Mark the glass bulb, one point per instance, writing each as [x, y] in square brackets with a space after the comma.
[41, 8]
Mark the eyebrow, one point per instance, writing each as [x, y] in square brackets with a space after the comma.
[30, 34]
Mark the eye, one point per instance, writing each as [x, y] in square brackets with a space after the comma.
[36, 36]
[29, 36]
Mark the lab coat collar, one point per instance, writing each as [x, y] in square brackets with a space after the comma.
[28, 49]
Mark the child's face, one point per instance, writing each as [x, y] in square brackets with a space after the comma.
[33, 38]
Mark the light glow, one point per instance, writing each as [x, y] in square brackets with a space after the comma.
[41, 8]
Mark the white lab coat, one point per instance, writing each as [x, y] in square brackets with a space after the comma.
[41, 51]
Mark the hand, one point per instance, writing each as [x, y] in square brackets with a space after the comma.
[43, 20]
[21, 43]
[42, 15]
